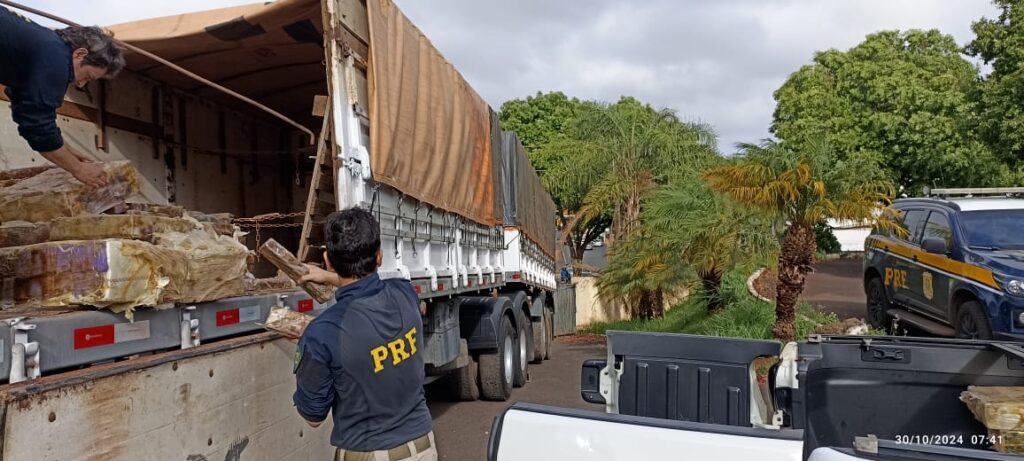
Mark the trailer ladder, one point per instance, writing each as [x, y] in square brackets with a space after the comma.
[322, 199]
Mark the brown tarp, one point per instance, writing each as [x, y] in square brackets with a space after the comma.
[528, 205]
[429, 131]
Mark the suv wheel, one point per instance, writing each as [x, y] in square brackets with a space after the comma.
[878, 305]
[971, 322]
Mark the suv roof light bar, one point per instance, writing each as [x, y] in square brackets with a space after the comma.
[977, 191]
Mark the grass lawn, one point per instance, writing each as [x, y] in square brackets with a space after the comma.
[743, 317]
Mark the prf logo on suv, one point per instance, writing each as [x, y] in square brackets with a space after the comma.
[958, 270]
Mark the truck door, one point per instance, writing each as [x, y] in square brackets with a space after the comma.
[930, 284]
[902, 266]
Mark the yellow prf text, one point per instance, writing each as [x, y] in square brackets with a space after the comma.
[896, 277]
[399, 350]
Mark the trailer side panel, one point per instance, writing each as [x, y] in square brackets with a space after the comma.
[230, 400]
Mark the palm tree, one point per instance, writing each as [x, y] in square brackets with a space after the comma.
[710, 232]
[641, 270]
[688, 231]
[801, 189]
[616, 155]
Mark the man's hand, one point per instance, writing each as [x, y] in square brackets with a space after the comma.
[79, 165]
[82, 157]
[318, 275]
[90, 174]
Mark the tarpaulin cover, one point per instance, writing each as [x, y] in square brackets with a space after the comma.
[429, 131]
[528, 205]
[497, 168]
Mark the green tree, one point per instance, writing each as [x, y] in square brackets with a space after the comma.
[618, 153]
[999, 42]
[689, 232]
[802, 188]
[903, 98]
[539, 120]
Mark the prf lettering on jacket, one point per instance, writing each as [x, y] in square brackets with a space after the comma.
[399, 350]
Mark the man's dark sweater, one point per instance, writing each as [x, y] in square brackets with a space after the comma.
[35, 66]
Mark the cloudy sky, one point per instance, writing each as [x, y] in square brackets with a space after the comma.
[717, 61]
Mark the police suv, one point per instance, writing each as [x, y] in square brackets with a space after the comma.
[957, 270]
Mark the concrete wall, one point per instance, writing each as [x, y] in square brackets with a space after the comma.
[590, 309]
[852, 240]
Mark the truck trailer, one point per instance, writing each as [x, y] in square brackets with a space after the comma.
[366, 112]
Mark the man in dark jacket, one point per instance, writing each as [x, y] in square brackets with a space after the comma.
[361, 359]
[36, 66]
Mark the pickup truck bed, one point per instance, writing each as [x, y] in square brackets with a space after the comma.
[698, 395]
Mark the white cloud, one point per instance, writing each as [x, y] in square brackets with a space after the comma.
[716, 61]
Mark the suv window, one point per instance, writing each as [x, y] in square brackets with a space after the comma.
[993, 229]
[912, 222]
[938, 227]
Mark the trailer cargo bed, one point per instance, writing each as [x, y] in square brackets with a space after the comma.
[36, 342]
[228, 400]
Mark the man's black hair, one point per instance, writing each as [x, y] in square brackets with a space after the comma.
[104, 52]
[353, 240]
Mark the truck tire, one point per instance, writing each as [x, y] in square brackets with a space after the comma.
[465, 381]
[971, 322]
[550, 323]
[524, 345]
[540, 339]
[878, 305]
[497, 368]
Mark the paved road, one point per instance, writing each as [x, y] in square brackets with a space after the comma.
[461, 428]
[836, 286]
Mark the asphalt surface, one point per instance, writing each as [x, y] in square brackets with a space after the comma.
[836, 286]
[461, 429]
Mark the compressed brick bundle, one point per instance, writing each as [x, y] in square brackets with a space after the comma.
[54, 193]
[1001, 410]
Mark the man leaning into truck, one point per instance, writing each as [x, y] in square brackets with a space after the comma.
[361, 358]
[36, 66]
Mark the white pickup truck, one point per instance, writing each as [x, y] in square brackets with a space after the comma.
[672, 396]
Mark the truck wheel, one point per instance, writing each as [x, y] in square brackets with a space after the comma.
[971, 322]
[464, 381]
[525, 347]
[540, 339]
[497, 368]
[878, 305]
[550, 322]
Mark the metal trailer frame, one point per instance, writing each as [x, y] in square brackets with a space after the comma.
[443, 255]
[33, 346]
